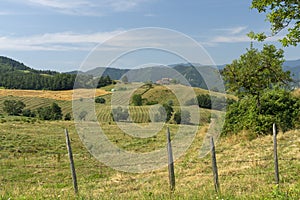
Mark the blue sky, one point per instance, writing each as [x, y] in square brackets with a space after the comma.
[59, 34]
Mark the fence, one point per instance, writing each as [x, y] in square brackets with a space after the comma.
[59, 162]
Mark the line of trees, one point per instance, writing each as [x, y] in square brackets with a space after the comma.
[58, 81]
[52, 112]
[210, 102]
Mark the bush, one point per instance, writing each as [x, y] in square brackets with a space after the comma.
[277, 106]
[52, 112]
[211, 102]
[120, 114]
[68, 117]
[28, 113]
[137, 100]
[100, 100]
[183, 117]
[44, 113]
[149, 103]
[204, 101]
[13, 107]
[169, 111]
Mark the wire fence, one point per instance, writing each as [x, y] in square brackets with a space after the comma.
[27, 163]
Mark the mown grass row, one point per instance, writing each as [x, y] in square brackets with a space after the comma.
[138, 114]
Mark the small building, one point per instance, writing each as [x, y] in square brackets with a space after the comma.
[164, 81]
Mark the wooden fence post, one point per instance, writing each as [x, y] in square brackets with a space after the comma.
[170, 162]
[214, 165]
[275, 154]
[71, 161]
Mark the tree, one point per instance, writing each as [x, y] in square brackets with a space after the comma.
[256, 71]
[28, 113]
[13, 107]
[282, 14]
[100, 100]
[168, 111]
[120, 114]
[68, 117]
[204, 101]
[137, 100]
[52, 112]
[56, 113]
[44, 113]
[183, 117]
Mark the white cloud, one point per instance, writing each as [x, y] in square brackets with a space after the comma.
[87, 7]
[55, 41]
[233, 30]
[233, 35]
[238, 39]
[230, 39]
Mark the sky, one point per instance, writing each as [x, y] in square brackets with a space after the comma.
[61, 34]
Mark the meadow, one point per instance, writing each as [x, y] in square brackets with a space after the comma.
[34, 161]
[34, 165]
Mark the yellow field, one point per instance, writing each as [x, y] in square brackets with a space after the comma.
[66, 95]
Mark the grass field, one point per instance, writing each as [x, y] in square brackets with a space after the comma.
[34, 99]
[34, 165]
[34, 161]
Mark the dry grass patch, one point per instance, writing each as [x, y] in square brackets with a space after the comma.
[66, 95]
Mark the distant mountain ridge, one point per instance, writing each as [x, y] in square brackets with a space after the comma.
[14, 74]
[294, 67]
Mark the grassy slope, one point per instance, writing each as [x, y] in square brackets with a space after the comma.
[34, 162]
[34, 99]
[34, 165]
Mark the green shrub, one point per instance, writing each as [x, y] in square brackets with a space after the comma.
[28, 113]
[183, 117]
[277, 106]
[52, 112]
[13, 107]
[100, 100]
[137, 100]
[68, 117]
[120, 114]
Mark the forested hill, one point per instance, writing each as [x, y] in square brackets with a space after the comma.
[16, 75]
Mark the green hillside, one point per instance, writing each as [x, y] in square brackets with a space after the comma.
[16, 75]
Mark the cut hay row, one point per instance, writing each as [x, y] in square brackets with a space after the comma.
[34, 103]
[65, 95]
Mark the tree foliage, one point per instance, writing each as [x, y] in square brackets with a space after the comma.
[120, 114]
[169, 111]
[28, 113]
[100, 100]
[13, 107]
[183, 117]
[256, 71]
[204, 101]
[68, 117]
[282, 14]
[15, 75]
[258, 79]
[137, 100]
[52, 112]
[104, 81]
[277, 106]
